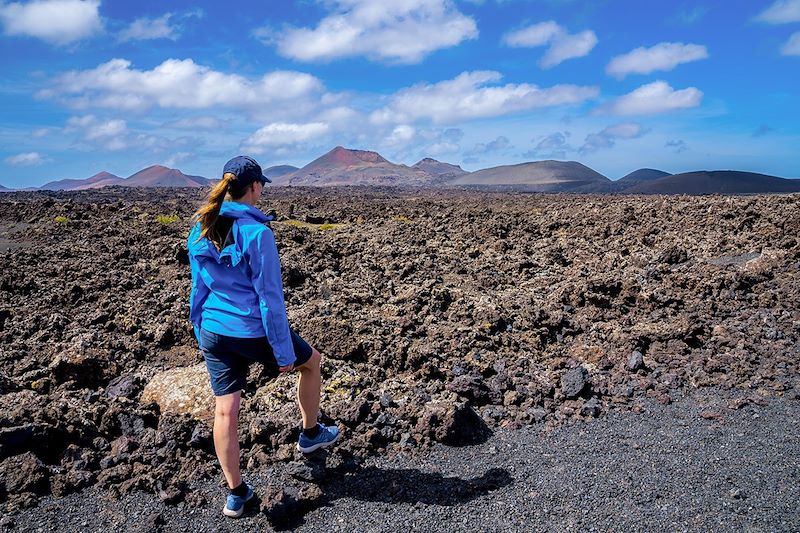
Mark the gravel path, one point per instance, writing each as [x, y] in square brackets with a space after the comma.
[696, 465]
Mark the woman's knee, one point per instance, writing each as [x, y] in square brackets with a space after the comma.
[227, 406]
[313, 362]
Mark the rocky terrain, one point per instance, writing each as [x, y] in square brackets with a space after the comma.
[442, 316]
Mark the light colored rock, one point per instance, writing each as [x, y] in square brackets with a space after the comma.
[182, 390]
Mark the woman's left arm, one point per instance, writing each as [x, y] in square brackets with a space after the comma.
[265, 268]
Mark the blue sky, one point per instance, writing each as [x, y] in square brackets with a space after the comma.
[91, 85]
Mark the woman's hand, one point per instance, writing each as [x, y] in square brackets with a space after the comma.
[287, 368]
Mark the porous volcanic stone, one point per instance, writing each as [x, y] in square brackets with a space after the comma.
[574, 381]
[183, 390]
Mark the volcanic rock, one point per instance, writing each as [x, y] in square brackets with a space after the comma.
[574, 381]
[451, 423]
[23, 473]
[182, 390]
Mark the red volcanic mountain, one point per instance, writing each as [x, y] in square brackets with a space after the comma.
[154, 176]
[716, 182]
[101, 179]
[342, 166]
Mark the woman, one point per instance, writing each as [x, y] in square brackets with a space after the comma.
[239, 316]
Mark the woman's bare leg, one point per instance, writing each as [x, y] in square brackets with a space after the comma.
[308, 385]
[226, 436]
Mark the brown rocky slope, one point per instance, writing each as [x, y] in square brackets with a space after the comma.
[441, 316]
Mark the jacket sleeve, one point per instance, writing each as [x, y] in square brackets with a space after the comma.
[265, 269]
[197, 297]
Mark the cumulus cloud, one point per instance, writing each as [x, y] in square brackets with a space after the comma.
[554, 146]
[282, 134]
[27, 159]
[781, 12]
[792, 46]
[182, 84]
[400, 135]
[150, 28]
[497, 145]
[561, 45]
[401, 31]
[55, 21]
[607, 137]
[113, 134]
[653, 98]
[167, 26]
[663, 56]
[468, 96]
[196, 123]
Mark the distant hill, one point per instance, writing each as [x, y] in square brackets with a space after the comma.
[643, 174]
[278, 171]
[343, 166]
[5, 189]
[439, 170]
[716, 182]
[159, 176]
[100, 179]
[538, 176]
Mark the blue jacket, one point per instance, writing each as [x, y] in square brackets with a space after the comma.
[238, 291]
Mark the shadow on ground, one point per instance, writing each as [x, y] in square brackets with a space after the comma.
[388, 485]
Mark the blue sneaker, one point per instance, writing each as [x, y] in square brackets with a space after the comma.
[234, 506]
[325, 437]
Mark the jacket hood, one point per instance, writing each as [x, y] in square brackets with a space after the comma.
[239, 210]
[232, 253]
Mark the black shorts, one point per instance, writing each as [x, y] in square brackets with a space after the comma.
[228, 358]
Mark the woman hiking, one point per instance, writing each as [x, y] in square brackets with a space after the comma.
[239, 316]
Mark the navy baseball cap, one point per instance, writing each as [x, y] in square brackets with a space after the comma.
[246, 170]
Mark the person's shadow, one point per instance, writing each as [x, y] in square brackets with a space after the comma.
[388, 485]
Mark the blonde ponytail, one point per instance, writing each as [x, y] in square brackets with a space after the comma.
[209, 213]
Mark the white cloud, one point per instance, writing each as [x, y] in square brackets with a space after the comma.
[663, 56]
[27, 159]
[554, 146]
[608, 136]
[183, 84]
[656, 97]
[167, 26]
[401, 135]
[55, 21]
[441, 148]
[146, 28]
[402, 31]
[177, 158]
[113, 135]
[561, 44]
[781, 12]
[280, 134]
[196, 123]
[38, 133]
[792, 46]
[468, 97]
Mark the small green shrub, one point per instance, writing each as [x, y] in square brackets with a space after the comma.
[61, 219]
[402, 218]
[166, 220]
